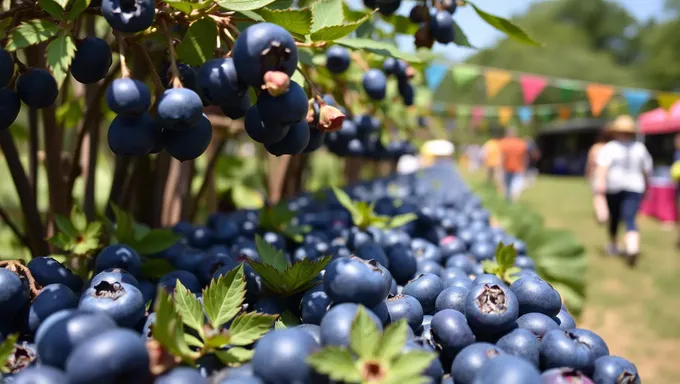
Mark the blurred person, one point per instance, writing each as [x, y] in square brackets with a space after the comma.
[599, 199]
[514, 155]
[491, 154]
[675, 175]
[622, 173]
[534, 155]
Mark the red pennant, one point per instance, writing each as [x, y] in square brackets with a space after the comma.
[532, 86]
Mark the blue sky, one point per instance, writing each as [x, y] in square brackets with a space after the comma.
[482, 35]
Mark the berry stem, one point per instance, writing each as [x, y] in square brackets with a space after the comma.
[176, 80]
[124, 70]
[360, 61]
[17, 267]
[154, 74]
[312, 85]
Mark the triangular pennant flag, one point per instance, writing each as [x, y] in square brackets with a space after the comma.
[532, 86]
[525, 114]
[496, 79]
[636, 98]
[564, 111]
[451, 110]
[667, 99]
[598, 96]
[477, 113]
[505, 115]
[544, 112]
[463, 111]
[434, 74]
[490, 111]
[581, 110]
[567, 88]
[463, 74]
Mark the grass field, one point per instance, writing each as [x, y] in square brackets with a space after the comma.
[637, 311]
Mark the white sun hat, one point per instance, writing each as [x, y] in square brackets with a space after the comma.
[438, 148]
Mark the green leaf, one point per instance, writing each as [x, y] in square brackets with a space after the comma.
[365, 336]
[219, 340]
[193, 341]
[235, 355]
[224, 297]
[7, 348]
[296, 21]
[62, 3]
[378, 47]
[409, 364]
[459, 37]
[505, 256]
[125, 232]
[346, 201]
[243, 5]
[250, 326]
[334, 32]
[337, 363]
[157, 240]
[51, 7]
[393, 340]
[78, 218]
[286, 320]
[270, 255]
[187, 6]
[65, 226]
[401, 220]
[60, 53]
[141, 230]
[60, 241]
[189, 308]
[169, 330]
[505, 26]
[199, 43]
[327, 13]
[295, 279]
[30, 33]
[75, 8]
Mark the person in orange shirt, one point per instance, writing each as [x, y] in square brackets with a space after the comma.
[492, 162]
[514, 154]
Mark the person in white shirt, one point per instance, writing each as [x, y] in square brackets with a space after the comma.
[623, 168]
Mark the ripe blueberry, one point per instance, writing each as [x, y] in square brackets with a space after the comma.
[314, 305]
[51, 299]
[123, 302]
[375, 84]
[119, 256]
[564, 320]
[280, 356]
[238, 109]
[130, 16]
[402, 263]
[597, 344]
[46, 270]
[295, 141]
[425, 287]
[128, 97]
[10, 105]
[261, 48]
[220, 84]
[615, 370]
[257, 131]
[337, 59]
[188, 279]
[179, 108]
[92, 60]
[6, 67]
[470, 360]
[405, 307]
[451, 332]
[181, 375]
[14, 294]
[289, 108]
[316, 139]
[37, 79]
[536, 295]
[354, 281]
[522, 343]
[112, 275]
[565, 349]
[538, 323]
[491, 310]
[387, 7]
[507, 369]
[188, 144]
[42, 375]
[452, 298]
[336, 325]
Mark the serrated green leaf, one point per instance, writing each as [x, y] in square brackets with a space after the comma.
[189, 308]
[252, 15]
[51, 7]
[295, 279]
[30, 33]
[378, 47]
[193, 341]
[250, 326]
[282, 4]
[410, 364]
[296, 21]
[7, 348]
[365, 336]
[270, 255]
[286, 320]
[65, 226]
[78, 218]
[243, 5]
[459, 37]
[224, 297]
[393, 340]
[490, 266]
[235, 355]
[59, 54]
[188, 6]
[337, 363]
[505, 26]
[199, 43]
[401, 220]
[75, 8]
[156, 240]
[346, 201]
[169, 330]
[334, 32]
[327, 13]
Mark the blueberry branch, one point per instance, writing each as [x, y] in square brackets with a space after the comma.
[154, 74]
[124, 70]
[176, 77]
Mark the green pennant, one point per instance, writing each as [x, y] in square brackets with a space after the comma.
[545, 112]
[568, 88]
[463, 74]
[581, 110]
[463, 111]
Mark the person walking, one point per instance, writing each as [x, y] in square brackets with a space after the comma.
[624, 166]
[534, 155]
[514, 155]
[599, 200]
[491, 153]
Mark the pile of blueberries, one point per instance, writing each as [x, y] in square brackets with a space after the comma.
[484, 330]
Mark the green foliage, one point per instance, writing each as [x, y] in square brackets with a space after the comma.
[504, 265]
[76, 235]
[297, 21]
[223, 297]
[279, 218]
[60, 53]
[144, 240]
[382, 352]
[6, 350]
[199, 43]
[505, 26]
[30, 33]
[169, 330]
[188, 6]
[363, 215]
[287, 320]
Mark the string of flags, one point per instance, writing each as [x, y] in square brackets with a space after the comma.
[505, 113]
[532, 85]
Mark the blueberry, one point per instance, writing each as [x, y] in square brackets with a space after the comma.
[6, 67]
[314, 305]
[564, 320]
[402, 263]
[425, 250]
[317, 138]
[238, 109]
[536, 295]
[188, 144]
[522, 343]
[597, 344]
[133, 135]
[37, 79]
[181, 375]
[564, 376]
[294, 143]
[450, 5]
[211, 264]
[435, 371]
[538, 323]
[13, 294]
[264, 47]
[508, 369]
[179, 108]
[337, 324]
[565, 349]
[452, 298]
[392, 66]
[483, 251]
[62, 332]
[257, 131]
[130, 16]
[387, 7]
[525, 262]
[407, 92]
[51, 299]
[462, 262]
[188, 279]
[375, 84]
[10, 105]
[280, 356]
[405, 307]
[40, 375]
[271, 306]
[200, 237]
[491, 310]
[92, 60]
[220, 84]
[128, 97]
[419, 13]
[615, 370]
[370, 250]
[46, 270]
[469, 361]
[116, 355]
[313, 329]
[188, 75]
[113, 275]
[337, 59]
[123, 302]
[354, 281]
[119, 256]
[451, 332]
[425, 287]
[289, 108]
[487, 278]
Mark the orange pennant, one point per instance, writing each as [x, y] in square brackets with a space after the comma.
[495, 81]
[505, 115]
[564, 112]
[598, 96]
[667, 99]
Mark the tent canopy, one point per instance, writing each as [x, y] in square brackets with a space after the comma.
[658, 121]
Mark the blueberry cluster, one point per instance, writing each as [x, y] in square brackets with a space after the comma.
[374, 80]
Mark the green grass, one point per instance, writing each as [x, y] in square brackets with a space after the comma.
[637, 311]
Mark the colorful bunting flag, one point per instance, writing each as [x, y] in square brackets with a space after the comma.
[636, 99]
[532, 86]
[477, 114]
[496, 80]
[564, 111]
[463, 110]
[666, 99]
[463, 74]
[434, 75]
[525, 114]
[568, 88]
[544, 112]
[505, 115]
[598, 96]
